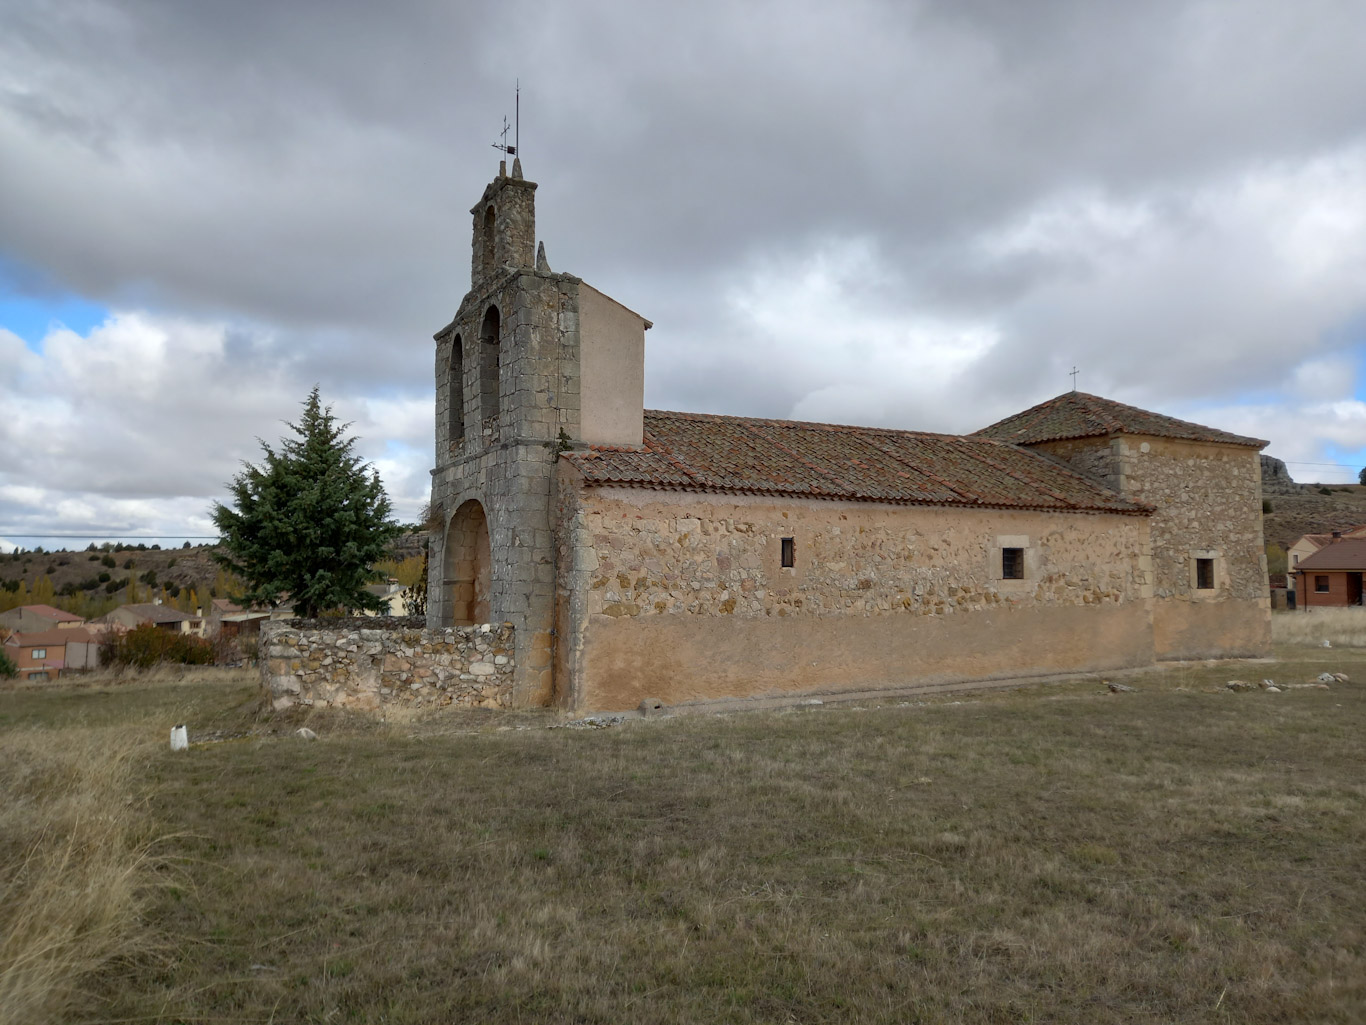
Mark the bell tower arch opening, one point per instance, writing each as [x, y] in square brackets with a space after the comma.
[468, 573]
[455, 389]
[487, 242]
[489, 364]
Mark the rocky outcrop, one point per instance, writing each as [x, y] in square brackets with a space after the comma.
[1276, 478]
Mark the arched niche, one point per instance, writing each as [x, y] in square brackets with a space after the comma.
[486, 242]
[488, 363]
[455, 386]
[469, 565]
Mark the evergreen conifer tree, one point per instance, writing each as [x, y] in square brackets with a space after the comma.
[307, 524]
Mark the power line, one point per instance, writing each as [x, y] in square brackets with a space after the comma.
[124, 537]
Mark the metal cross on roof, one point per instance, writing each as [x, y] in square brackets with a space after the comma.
[1074, 378]
[510, 151]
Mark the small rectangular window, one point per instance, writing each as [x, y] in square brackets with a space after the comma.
[40, 653]
[1297, 558]
[37, 676]
[789, 552]
[1321, 584]
[1012, 563]
[1204, 574]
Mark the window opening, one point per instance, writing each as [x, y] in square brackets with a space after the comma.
[1012, 563]
[488, 365]
[486, 243]
[1321, 584]
[1204, 574]
[789, 552]
[455, 381]
[40, 653]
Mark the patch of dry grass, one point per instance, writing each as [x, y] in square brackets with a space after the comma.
[1177, 854]
[72, 859]
[1339, 627]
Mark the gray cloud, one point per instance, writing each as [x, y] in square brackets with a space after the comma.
[1143, 190]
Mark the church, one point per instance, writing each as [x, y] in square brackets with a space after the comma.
[642, 555]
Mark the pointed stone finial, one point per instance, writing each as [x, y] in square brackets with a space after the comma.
[516, 167]
[541, 264]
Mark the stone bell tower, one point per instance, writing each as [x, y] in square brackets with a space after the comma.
[532, 362]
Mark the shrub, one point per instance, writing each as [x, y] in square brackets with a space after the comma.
[112, 586]
[8, 670]
[128, 564]
[147, 646]
[1325, 491]
[104, 578]
[107, 560]
[95, 558]
[149, 578]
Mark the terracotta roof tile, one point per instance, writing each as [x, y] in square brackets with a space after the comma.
[1348, 554]
[1079, 415]
[48, 612]
[68, 635]
[701, 452]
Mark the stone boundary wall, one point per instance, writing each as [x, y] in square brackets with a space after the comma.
[369, 663]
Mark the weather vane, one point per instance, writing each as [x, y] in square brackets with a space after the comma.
[1074, 378]
[515, 128]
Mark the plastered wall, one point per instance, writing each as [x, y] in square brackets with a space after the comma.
[683, 598]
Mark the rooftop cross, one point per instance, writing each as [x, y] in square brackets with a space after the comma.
[1074, 378]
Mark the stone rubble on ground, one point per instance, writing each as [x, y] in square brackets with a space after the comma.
[1119, 688]
[1238, 685]
[305, 733]
[591, 722]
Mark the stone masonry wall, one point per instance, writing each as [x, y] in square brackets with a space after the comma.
[370, 663]
[691, 566]
[1207, 503]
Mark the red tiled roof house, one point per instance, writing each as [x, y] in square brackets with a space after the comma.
[1332, 576]
[48, 654]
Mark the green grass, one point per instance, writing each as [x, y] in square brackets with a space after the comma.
[1057, 854]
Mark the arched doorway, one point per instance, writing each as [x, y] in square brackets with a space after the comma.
[469, 566]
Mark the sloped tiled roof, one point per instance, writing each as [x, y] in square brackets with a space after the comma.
[154, 613]
[48, 612]
[1079, 415]
[52, 638]
[701, 452]
[1345, 554]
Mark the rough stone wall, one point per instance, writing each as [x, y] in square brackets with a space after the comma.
[507, 465]
[1208, 504]
[679, 570]
[358, 664]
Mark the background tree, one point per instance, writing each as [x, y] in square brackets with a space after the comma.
[1361, 477]
[309, 522]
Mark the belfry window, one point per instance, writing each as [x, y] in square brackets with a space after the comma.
[455, 385]
[489, 360]
[486, 243]
[789, 553]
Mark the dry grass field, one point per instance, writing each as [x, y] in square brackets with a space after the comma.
[1181, 853]
[1339, 627]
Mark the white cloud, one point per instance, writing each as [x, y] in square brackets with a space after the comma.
[137, 426]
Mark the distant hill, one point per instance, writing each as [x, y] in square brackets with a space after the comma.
[1299, 509]
[157, 572]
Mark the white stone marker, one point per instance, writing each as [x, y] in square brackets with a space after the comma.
[180, 738]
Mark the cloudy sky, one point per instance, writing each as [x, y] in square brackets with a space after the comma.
[912, 214]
